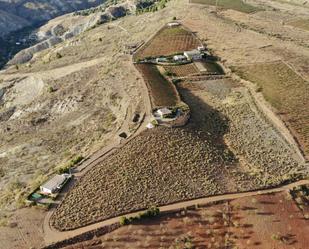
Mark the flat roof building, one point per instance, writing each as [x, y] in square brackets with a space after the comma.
[54, 184]
[193, 54]
[179, 58]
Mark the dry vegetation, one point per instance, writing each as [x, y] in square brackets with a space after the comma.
[301, 24]
[287, 92]
[168, 41]
[265, 158]
[162, 92]
[267, 221]
[158, 167]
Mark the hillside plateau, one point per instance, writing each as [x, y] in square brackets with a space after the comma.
[73, 98]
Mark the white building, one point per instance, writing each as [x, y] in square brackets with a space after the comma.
[201, 48]
[173, 24]
[54, 184]
[163, 112]
[193, 55]
[179, 58]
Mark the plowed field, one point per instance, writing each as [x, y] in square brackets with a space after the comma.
[168, 41]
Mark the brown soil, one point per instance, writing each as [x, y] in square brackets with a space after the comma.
[266, 221]
[182, 70]
[23, 229]
[162, 92]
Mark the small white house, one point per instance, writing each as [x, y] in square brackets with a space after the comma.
[179, 58]
[173, 24]
[163, 112]
[54, 184]
[193, 55]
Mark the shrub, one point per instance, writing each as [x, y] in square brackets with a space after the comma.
[124, 221]
[50, 89]
[66, 168]
[58, 55]
[150, 213]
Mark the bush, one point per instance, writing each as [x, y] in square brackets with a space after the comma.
[66, 168]
[150, 213]
[58, 55]
[50, 89]
[124, 221]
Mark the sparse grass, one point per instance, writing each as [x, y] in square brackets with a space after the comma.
[301, 24]
[287, 92]
[237, 5]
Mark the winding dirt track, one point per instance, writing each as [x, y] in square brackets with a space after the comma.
[52, 235]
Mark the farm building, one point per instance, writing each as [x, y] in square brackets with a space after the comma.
[164, 112]
[54, 184]
[173, 24]
[179, 58]
[193, 54]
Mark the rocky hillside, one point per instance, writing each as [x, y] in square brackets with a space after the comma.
[16, 14]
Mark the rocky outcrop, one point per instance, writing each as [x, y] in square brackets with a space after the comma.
[68, 26]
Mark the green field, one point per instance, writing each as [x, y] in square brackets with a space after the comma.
[237, 5]
[287, 92]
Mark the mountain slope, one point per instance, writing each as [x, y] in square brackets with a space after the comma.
[20, 13]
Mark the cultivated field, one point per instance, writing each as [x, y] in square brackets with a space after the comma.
[287, 92]
[238, 5]
[160, 166]
[182, 70]
[168, 41]
[266, 221]
[162, 92]
[226, 147]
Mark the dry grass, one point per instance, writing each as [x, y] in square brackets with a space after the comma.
[159, 167]
[168, 41]
[301, 24]
[287, 92]
[238, 5]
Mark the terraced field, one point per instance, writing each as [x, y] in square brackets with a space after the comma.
[287, 92]
[238, 5]
[182, 70]
[227, 147]
[162, 92]
[168, 41]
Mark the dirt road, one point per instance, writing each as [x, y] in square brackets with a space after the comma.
[51, 235]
